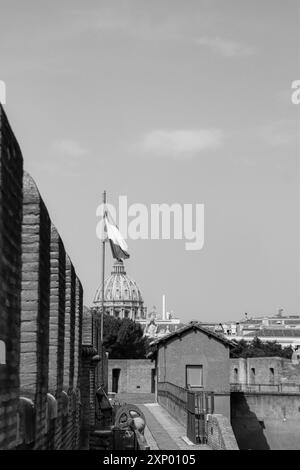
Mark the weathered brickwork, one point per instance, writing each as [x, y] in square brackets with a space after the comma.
[57, 329]
[11, 171]
[41, 317]
[219, 433]
[35, 298]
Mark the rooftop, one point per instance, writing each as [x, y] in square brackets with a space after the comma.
[193, 326]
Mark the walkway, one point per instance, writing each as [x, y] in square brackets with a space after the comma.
[162, 430]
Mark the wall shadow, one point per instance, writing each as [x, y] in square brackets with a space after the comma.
[248, 430]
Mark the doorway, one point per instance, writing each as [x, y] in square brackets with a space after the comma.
[115, 380]
[153, 376]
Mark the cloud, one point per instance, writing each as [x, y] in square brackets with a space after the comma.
[281, 133]
[225, 47]
[180, 143]
[65, 156]
[69, 148]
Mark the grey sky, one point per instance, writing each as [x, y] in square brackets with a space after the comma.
[99, 92]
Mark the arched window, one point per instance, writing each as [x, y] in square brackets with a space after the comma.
[2, 352]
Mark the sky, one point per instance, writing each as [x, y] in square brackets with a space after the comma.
[166, 101]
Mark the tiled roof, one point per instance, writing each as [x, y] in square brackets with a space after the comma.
[190, 326]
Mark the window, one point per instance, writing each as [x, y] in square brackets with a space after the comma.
[194, 376]
[252, 376]
[235, 375]
[272, 375]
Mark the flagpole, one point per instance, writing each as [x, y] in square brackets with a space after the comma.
[103, 270]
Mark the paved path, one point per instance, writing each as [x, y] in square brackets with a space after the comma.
[162, 430]
[165, 432]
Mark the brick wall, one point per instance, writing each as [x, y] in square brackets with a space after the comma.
[40, 316]
[219, 433]
[35, 301]
[11, 173]
[93, 374]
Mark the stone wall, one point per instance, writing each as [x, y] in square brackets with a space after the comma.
[263, 421]
[135, 375]
[264, 371]
[40, 316]
[219, 433]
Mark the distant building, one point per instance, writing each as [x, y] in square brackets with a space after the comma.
[284, 329]
[122, 296]
[158, 325]
[123, 299]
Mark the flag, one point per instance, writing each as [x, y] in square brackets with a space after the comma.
[117, 243]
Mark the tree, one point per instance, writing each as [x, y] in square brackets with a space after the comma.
[257, 348]
[123, 338]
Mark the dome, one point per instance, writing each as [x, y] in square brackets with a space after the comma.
[119, 288]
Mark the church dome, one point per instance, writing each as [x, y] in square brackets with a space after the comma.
[119, 287]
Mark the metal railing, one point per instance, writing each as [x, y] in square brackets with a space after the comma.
[260, 388]
[175, 393]
[199, 404]
[196, 405]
